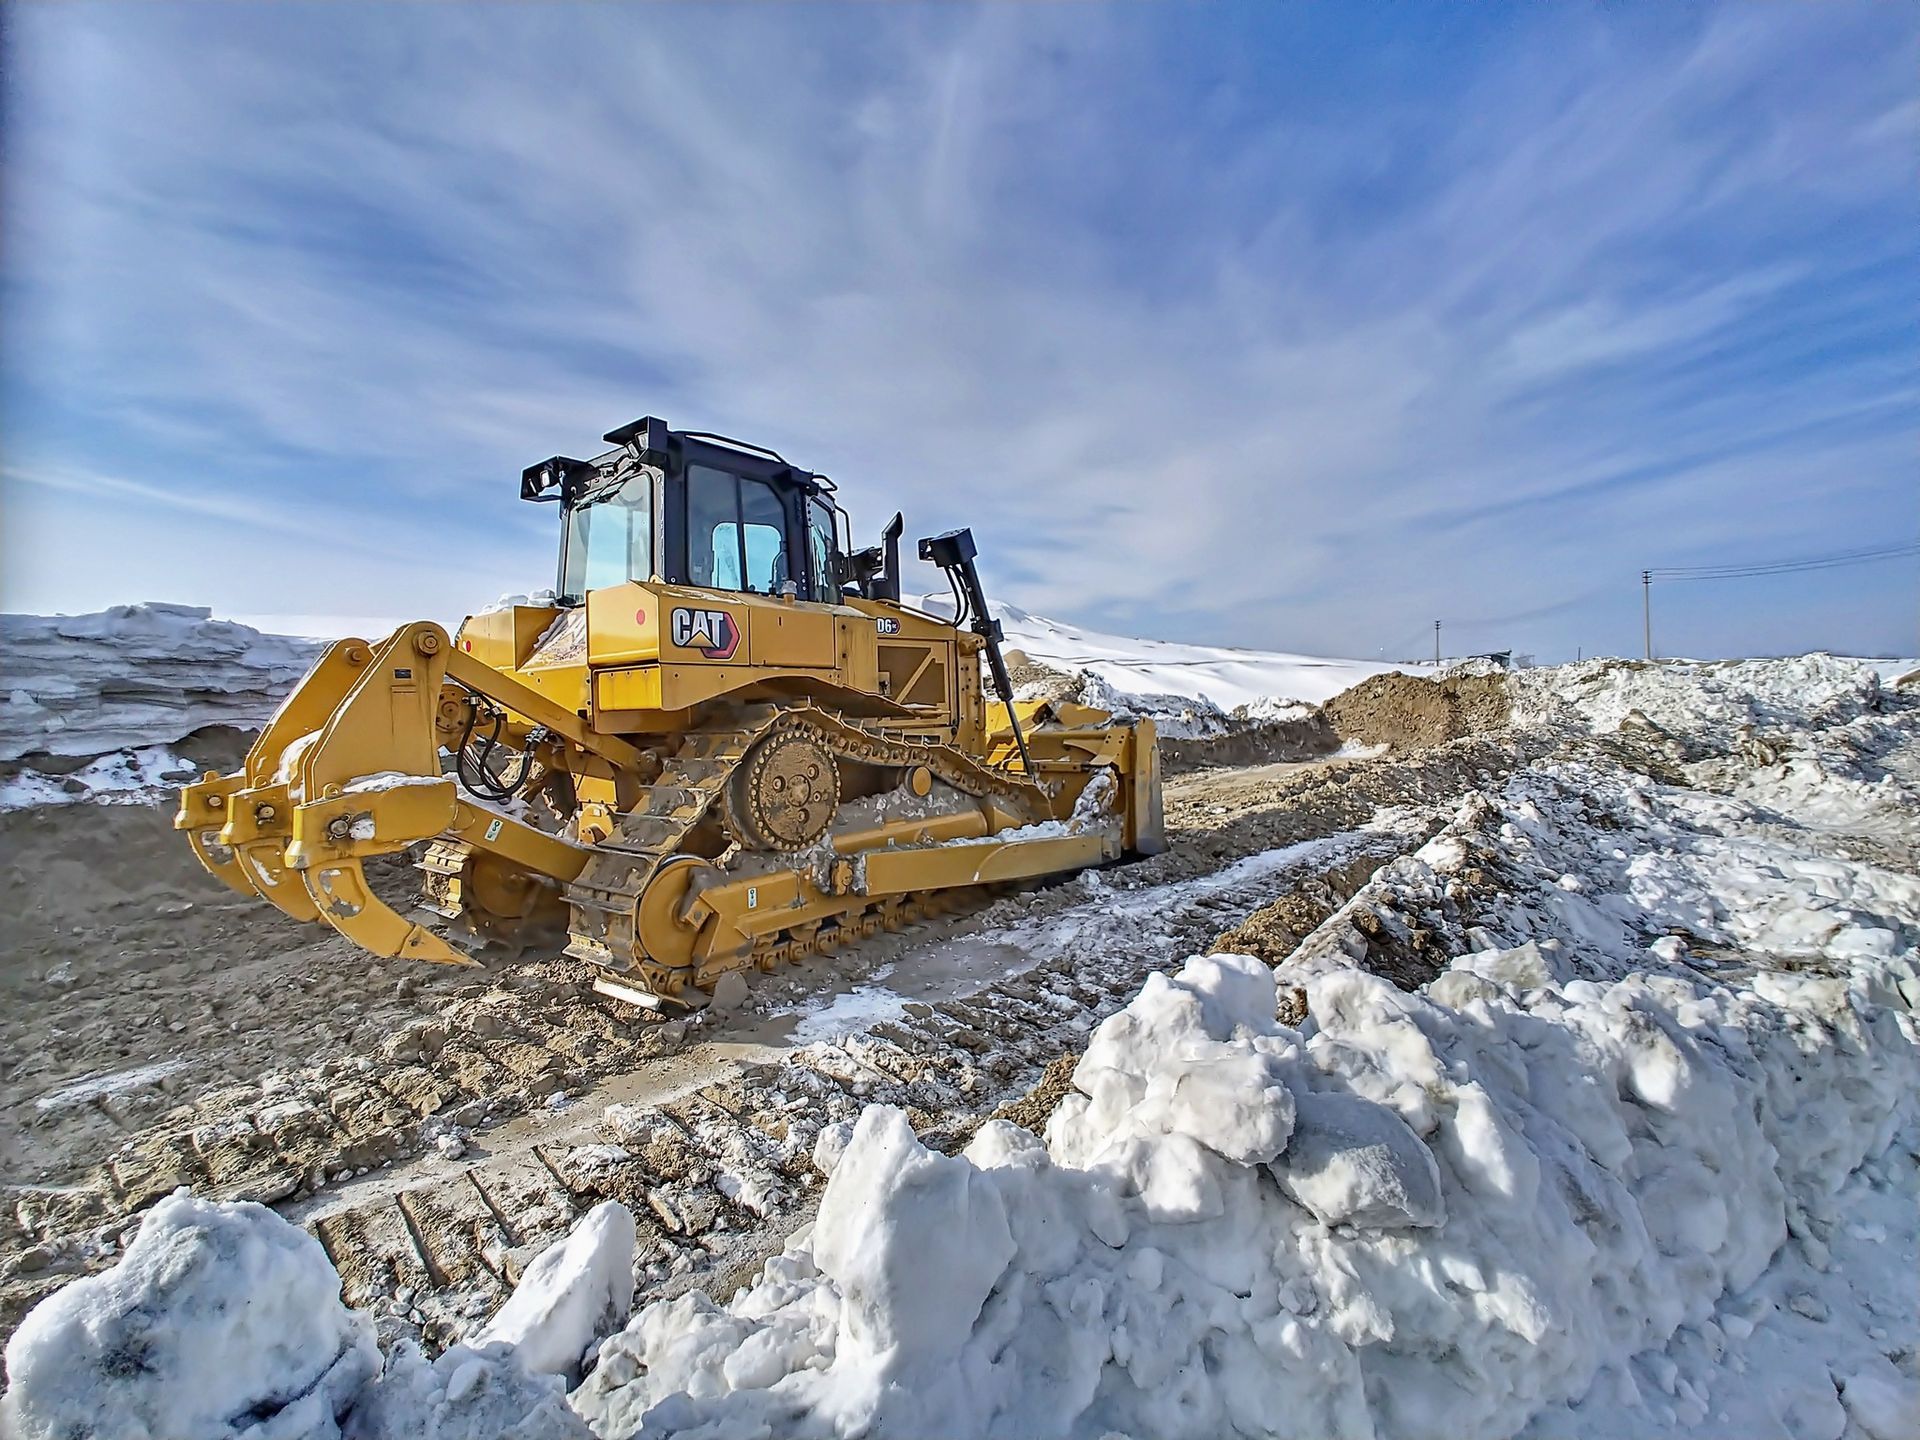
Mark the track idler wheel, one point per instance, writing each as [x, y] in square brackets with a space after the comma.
[784, 794]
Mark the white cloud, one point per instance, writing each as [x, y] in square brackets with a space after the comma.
[1179, 351]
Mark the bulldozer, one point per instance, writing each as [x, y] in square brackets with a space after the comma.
[723, 742]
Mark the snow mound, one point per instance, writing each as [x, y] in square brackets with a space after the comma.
[220, 1321]
[137, 676]
[1420, 1215]
[224, 1322]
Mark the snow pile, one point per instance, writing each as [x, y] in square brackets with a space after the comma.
[1679, 696]
[1224, 676]
[136, 676]
[128, 777]
[1272, 710]
[224, 1322]
[221, 1321]
[1175, 717]
[1419, 1215]
[469, 1393]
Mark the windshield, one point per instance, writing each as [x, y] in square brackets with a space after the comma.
[609, 540]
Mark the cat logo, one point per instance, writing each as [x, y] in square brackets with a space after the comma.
[711, 632]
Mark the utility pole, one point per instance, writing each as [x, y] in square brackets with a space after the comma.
[1646, 609]
[1436, 644]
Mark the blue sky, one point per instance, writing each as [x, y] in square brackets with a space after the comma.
[1288, 326]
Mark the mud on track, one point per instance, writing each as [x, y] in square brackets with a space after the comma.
[436, 1128]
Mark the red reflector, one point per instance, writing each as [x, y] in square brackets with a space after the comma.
[467, 645]
[639, 617]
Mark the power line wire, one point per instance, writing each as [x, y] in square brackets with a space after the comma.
[1784, 567]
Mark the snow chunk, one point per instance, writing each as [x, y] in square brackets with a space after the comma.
[914, 1270]
[1352, 1162]
[222, 1320]
[575, 1291]
[1156, 1069]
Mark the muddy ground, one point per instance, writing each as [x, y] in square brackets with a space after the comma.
[436, 1127]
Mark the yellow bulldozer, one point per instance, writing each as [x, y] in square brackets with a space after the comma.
[724, 742]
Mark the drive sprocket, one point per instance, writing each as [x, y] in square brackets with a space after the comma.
[785, 793]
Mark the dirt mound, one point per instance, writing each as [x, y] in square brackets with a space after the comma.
[1411, 712]
[1265, 744]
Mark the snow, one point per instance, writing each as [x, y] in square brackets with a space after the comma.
[1535, 1185]
[1222, 675]
[137, 676]
[383, 780]
[127, 777]
[224, 1322]
[1640, 1158]
[575, 1291]
[220, 1321]
[1696, 696]
[470, 1393]
[95, 1087]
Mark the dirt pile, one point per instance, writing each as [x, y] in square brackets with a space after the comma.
[1410, 712]
[1272, 741]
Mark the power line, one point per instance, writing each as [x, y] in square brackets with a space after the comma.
[1763, 567]
[1784, 567]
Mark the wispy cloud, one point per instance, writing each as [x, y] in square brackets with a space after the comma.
[1236, 324]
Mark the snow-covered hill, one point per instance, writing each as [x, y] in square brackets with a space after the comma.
[1227, 677]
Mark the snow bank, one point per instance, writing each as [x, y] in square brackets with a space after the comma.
[136, 676]
[220, 1321]
[1422, 1215]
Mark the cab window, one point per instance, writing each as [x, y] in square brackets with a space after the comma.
[609, 540]
[736, 532]
[820, 549]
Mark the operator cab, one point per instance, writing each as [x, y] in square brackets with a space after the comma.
[687, 508]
